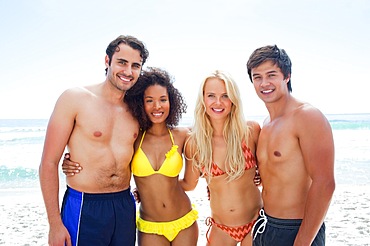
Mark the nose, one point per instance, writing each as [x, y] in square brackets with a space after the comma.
[157, 105]
[128, 70]
[264, 82]
[218, 100]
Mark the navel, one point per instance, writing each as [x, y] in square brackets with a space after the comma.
[98, 134]
[277, 153]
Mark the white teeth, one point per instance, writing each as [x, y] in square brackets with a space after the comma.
[217, 110]
[124, 79]
[266, 91]
[157, 114]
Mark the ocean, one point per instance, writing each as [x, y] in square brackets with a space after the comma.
[21, 143]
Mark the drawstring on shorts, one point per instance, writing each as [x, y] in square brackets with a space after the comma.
[262, 226]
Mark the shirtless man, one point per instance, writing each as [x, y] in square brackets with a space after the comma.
[95, 125]
[295, 155]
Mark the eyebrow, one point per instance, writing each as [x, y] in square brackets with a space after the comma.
[121, 59]
[162, 96]
[272, 71]
[269, 72]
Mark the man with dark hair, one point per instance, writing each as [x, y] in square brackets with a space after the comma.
[94, 123]
[295, 155]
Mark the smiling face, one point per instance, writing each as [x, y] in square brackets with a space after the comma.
[269, 82]
[156, 103]
[125, 67]
[218, 104]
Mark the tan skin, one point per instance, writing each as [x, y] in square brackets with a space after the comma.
[96, 127]
[232, 203]
[162, 198]
[295, 155]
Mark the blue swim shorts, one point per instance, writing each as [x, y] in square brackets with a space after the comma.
[280, 232]
[100, 219]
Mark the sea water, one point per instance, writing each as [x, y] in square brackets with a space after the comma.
[21, 144]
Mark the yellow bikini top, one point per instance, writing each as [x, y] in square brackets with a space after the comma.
[171, 166]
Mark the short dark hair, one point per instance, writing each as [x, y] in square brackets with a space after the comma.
[274, 54]
[135, 97]
[130, 41]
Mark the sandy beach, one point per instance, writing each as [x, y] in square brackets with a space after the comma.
[23, 217]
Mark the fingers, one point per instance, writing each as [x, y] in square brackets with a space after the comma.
[70, 172]
[69, 167]
[136, 194]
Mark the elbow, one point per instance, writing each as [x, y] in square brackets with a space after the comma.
[332, 185]
[189, 188]
[185, 186]
[47, 169]
[329, 186]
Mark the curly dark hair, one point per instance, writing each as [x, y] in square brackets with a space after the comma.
[135, 97]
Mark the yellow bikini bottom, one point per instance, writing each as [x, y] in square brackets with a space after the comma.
[168, 229]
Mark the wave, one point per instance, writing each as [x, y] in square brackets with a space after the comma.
[349, 125]
[13, 140]
[18, 177]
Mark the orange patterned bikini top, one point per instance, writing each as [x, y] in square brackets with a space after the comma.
[250, 162]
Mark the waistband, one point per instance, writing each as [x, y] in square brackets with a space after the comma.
[98, 196]
[285, 223]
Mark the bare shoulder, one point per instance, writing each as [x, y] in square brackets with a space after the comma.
[309, 115]
[72, 102]
[76, 93]
[181, 131]
[180, 134]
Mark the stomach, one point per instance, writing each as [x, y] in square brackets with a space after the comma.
[234, 203]
[164, 202]
[97, 180]
[103, 170]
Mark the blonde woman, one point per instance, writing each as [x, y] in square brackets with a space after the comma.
[221, 148]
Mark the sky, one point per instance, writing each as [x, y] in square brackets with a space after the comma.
[47, 46]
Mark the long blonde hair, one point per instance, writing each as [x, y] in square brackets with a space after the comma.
[235, 131]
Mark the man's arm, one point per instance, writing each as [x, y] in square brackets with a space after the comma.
[317, 146]
[58, 132]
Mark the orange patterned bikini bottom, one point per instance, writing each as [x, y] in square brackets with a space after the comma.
[238, 233]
